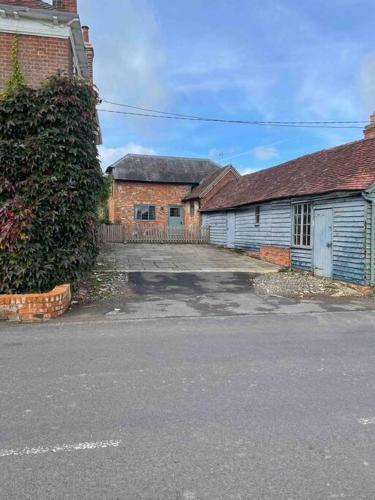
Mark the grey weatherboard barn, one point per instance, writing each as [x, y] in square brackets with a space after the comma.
[319, 207]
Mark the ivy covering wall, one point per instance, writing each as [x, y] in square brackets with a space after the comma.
[50, 185]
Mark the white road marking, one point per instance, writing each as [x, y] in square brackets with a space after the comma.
[20, 452]
[367, 421]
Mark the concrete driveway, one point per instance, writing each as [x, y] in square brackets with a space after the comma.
[181, 259]
[191, 281]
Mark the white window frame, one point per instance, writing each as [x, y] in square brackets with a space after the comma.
[144, 207]
[302, 225]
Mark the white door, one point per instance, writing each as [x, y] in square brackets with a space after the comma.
[231, 229]
[323, 222]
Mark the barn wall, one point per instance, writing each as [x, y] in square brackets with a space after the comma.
[350, 255]
[349, 236]
[274, 228]
[217, 221]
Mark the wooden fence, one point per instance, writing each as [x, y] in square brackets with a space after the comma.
[138, 233]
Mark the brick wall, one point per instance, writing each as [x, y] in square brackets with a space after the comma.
[228, 177]
[127, 194]
[194, 220]
[35, 306]
[275, 255]
[39, 57]
[67, 5]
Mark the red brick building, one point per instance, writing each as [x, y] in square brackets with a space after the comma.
[50, 40]
[164, 190]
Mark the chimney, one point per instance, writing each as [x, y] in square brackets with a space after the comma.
[369, 130]
[65, 5]
[89, 51]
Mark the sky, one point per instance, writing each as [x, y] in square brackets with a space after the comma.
[267, 60]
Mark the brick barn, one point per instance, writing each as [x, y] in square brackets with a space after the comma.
[50, 39]
[163, 190]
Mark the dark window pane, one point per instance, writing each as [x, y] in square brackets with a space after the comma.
[174, 212]
[151, 212]
[138, 213]
[257, 215]
[144, 212]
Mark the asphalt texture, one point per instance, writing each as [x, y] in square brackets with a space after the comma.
[200, 295]
[259, 404]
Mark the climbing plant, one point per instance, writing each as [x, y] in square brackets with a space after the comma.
[50, 184]
[16, 79]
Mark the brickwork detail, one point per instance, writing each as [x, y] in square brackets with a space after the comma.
[228, 177]
[125, 195]
[67, 5]
[35, 306]
[275, 255]
[195, 219]
[128, 194]
[40, 57]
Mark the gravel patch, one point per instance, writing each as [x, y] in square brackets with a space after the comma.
[103, 283]
[298, 284]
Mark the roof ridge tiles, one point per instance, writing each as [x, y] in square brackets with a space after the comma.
[346, 167]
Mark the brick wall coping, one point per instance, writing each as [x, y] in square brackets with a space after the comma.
[35, 306]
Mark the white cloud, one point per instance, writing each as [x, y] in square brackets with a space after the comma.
[108, 156]
[246, 171]
[264, 153]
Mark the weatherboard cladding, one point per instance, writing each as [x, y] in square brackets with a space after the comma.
[218, 227]
[275, 229]
[162, 169]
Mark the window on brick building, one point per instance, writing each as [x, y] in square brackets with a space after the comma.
[192, 208]
[144, 212]
[302, 225]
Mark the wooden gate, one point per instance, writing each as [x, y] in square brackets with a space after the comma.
[139, 233]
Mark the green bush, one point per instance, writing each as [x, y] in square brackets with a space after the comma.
[50, 185]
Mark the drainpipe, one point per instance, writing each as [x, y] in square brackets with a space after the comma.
[372, 249]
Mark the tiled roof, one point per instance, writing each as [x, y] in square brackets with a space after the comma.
[211, 178]
[350, 167]
[34, 4]
[162, 169]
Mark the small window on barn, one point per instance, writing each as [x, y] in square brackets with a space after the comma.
[257, 215]
[144, 212]
[192, 208]
[302, 225]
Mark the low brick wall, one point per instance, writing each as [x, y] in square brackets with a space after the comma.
[35, 306]
[275, 255]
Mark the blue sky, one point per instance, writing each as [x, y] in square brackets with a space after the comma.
[235, 59]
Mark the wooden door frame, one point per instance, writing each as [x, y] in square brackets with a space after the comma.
[181, 207]
[313, 232]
